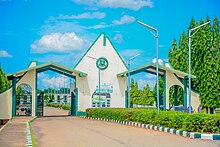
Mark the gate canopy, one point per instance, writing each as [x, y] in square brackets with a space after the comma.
[151, 68]
[48, 66]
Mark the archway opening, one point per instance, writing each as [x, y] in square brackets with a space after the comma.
[55, 94]
[143, 92]
[24, 100]
[176, 96]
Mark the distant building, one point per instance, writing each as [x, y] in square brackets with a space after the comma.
[63, 96]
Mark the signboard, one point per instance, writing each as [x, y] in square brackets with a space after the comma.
[95, 99]
[104, 88]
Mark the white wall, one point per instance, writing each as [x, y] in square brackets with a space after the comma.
[171, 80]
[6, 104]
[87, 85]
[30, 79]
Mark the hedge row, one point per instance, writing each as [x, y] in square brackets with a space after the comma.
[143, 101]
[203, 123]
[61, 106]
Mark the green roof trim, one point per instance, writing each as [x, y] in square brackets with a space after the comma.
[64, 68]
[154, 64]
[118, 53]
[104, 40]
[186, 85]
[104, 44]
[88, 50]
[138, 68]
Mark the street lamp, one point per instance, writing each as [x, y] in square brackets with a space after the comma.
[129, 80]
[99, 81]
[189, 60]
[157, 66]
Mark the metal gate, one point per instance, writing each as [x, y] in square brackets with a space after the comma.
[40, 104]
[23, 104]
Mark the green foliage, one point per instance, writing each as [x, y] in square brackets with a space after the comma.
[143, 101]
[61, 106]
[205, 59]
[161, 88]
[134, 92]
[180, 95]
[204, 123]
[4, 83]
[141, 96]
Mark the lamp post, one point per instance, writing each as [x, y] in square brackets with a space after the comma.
[129, 80]
[157, 66]
[189, 60]
[99, 81]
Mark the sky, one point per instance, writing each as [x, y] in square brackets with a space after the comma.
[62, 30]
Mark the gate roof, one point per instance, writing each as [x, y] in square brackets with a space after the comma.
[151, 68]
[49, 66]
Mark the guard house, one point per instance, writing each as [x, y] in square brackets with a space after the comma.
[100, 81]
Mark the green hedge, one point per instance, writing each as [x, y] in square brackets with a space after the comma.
[143, 101]
[61, 106]
[204, 123]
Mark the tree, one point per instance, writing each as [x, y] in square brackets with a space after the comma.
[161, 90]
[4, 83]
[180, 95]
[141, 96]
[145, 92]
[205, 59]
[134, 92]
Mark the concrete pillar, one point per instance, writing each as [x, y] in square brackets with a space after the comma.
[13, 96]
[164, 91]
[185, 92]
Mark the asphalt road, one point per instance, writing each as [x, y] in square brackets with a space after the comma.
[79, 132]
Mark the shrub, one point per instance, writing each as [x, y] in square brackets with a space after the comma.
[205, 123]
[143, 101]
[61, 106]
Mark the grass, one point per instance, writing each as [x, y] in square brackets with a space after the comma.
[32, 136]
[217, 111]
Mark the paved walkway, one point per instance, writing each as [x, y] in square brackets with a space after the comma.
[14, 134]
[79, 132]
[50, 111]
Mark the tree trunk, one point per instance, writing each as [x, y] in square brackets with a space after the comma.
[211, 110]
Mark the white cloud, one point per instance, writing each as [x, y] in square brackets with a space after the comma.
[126, 19]
[149, 79]
[160, 61]
[52, 25]
[52, 82]
[142, 83]
[69, 59]
[99, 26]
[87, 15]
[118, 38]
[128, 4]
[91, 8]
[5, 54]
[57, 42]
[150, 76]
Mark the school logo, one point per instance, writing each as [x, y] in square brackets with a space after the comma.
[102, 63]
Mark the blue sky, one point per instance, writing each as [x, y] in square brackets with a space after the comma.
[62, 30]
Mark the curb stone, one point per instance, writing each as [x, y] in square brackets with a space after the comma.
[29, 139]
[192, 135]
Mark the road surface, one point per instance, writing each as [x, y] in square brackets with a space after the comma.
[79, 132]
